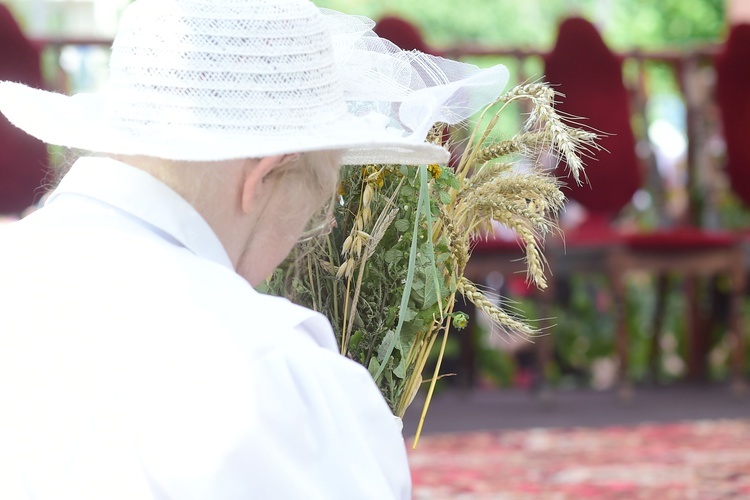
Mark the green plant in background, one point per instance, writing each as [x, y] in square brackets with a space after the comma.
[732, 212]
[583, 333]
[584, 328]
[626, 24]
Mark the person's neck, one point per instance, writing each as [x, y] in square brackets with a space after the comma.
[212, 188]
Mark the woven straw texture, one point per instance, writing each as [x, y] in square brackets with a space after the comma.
[200, 80]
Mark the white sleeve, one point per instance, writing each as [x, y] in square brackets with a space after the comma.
[315, 427]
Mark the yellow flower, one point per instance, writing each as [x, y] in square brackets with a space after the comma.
[434, 170]
[375, 176]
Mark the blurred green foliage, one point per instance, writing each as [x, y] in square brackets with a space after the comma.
[532, 23]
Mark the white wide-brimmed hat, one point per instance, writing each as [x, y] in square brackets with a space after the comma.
[225, 79]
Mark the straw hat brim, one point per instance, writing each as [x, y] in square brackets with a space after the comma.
[79, 122]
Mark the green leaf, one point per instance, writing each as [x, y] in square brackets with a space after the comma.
[358, 321]
[418, 296]
[409, 315]
[442, 257]
[374, 367]
[410, 330]
[419, 282]
[430, 294]
[354, 341]
[400, 370]
[408, 191]
[453, 182]
[383, 350]
[391, 313]
[402, 225]
[445, 198]
[393, 255]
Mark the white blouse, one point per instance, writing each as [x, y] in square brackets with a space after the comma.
[136, 364]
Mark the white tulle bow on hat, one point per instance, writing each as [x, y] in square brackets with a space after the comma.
[224, 79]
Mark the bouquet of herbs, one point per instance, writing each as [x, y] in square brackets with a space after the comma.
[388, 273]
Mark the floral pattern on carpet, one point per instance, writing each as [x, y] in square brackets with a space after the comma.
[701, 460]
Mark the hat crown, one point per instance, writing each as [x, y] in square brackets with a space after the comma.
[209, 80]
[265, 67]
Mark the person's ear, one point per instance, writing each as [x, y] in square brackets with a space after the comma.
[254, 175]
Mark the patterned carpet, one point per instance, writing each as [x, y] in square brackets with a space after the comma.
[707, 459]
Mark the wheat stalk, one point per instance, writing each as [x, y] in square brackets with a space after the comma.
[499, 317]
[495, 181]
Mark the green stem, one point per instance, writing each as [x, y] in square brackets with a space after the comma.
[409, 281]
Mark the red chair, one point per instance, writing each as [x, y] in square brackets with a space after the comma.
[733, 98]
[732, 84]
[590, 77]
[23, 159]
[403, 33]
[407, 36]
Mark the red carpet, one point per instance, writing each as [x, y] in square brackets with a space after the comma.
[690, 460]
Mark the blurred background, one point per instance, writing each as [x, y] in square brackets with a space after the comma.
[648, 285]
[666, 52]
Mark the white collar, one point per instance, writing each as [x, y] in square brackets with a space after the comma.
[148, 200]
[143, 197]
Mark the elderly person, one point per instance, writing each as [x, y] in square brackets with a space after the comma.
[137, 361]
